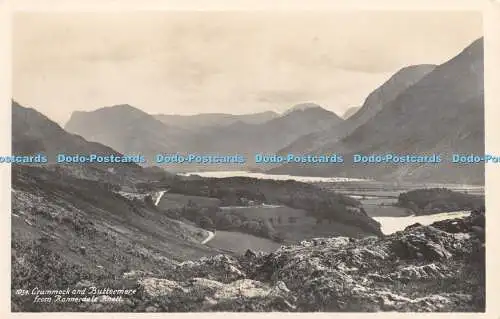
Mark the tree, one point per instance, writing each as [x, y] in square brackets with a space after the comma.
[206, 223]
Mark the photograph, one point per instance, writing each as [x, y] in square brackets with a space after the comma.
[248, 161]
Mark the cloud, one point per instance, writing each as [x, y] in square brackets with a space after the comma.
[188, 62]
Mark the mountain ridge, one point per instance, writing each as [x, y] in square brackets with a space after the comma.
[375, 101]
[211, 119]
[139, 132]
[410, 124]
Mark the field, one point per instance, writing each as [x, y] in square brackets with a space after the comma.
[295, 224]
[275, 212]
[172, 201]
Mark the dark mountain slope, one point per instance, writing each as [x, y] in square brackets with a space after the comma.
[350, 112]
[443, 112]
[379, 98]
[269, 136]
[126, 129]
[33, 132]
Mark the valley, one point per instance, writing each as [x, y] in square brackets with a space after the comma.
[248, 237]
[378, 199]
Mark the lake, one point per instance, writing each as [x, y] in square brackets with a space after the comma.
[390, 225]
[240, 242]
[305, 179]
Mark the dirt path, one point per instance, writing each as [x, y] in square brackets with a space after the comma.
[159, 197]
[211, 236]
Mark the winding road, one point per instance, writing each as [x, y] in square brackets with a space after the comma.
[211, 234]
[159, 197]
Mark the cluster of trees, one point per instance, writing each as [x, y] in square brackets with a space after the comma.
[432, 200]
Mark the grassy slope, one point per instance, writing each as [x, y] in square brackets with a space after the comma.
[89, 225]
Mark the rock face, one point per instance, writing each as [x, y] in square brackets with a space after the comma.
[434, 268]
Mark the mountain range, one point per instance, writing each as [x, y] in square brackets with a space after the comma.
[33, 132]
[198, 121]
[421, 110]
[389, 90]
[130, 130]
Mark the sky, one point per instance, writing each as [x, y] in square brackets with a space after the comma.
[225, 62]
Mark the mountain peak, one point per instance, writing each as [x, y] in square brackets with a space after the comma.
[120, 108]
[302, 107]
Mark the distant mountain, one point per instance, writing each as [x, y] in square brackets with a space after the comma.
[33, 132]
[266, 137]
[128, 129]
[379, 98]
[350, 111]
[214, 119]
[301, 107]
[443, 112]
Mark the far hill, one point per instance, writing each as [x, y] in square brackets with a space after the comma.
[33, 132]
[442, 113]
[267, 137]
[126, 129]
[197, 121]
[437, 200]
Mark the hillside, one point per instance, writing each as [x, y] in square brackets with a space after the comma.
[377, 100]
[443, 113]
[33, 132]
[350, 112]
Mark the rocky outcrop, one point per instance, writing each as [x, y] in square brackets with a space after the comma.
[423, 268]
